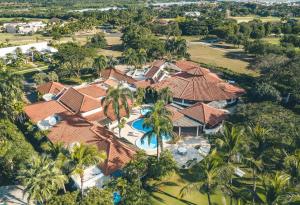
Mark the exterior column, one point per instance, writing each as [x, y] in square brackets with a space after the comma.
[197, 131]
[179, 131]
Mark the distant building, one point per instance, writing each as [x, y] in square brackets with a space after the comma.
[24, 28]
[192, 14]
[40, 47]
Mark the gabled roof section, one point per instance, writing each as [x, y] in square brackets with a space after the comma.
[78, 102]
[50, 87]
[41, 110]
[118, 153]
[154, 68]
[205, 114]
[116, 74]
[93, 90]
[199, 84]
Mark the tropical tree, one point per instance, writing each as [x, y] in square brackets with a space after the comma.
[229, 143]
[275, 189]
[112, 62]
[135, 58]
[159, 120]
[258, 146]
[11, 95]
[140, 96]
[100, 63]
[118, 99]
[41, 179]
[83, 156]
[292, 167]
[165, 95]
[212, 172]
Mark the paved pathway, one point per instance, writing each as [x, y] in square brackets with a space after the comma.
[32, 69]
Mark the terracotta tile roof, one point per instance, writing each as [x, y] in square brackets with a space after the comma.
[144, 83]
[95, 117]
[154, 68]
[93, 90]
[175, 113]
[78, 102]
[199, 84]
[118, 153]
[185, 65]
[50, 87]
[116, 74]
[75, 129]
[205, 114]
[41, 110]
[111, 83]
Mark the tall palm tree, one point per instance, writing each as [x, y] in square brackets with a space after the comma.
[275, 189]
[159, 120]
[41, 179]
[229, 143]
[166, 95]
[83, 156]
[118, 98]
[100, 63]
[212, 172]
[292, 167]
[258, 145]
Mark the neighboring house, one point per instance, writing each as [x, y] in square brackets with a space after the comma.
[72, 117]
[112, 78]
[26, 49]
[196, 119]
[24, 28]
[197, 84]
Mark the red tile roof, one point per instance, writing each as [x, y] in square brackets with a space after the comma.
[41, 110]
[116, 74]
[118, 153]
[199, 84]
[94, 91]
[78, 102]
[185, 65]
[205, 114]
[154, 68]
[50, 87]
[75, 129]
[144, 83]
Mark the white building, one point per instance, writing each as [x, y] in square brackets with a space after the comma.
[24, 28]
[40, 47]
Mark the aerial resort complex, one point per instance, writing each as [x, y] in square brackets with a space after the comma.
[155, 102]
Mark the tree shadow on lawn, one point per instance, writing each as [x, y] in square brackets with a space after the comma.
[239, 55]
[155, 188]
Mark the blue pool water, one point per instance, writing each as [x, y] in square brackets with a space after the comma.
[117, 198]
[144, 144]
[145, 110]
[138, 125]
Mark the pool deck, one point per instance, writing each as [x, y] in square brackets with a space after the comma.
[131, 134]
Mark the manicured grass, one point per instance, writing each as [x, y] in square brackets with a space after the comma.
[250, 18]
[272, 40]
[212, 56]
[169, 194]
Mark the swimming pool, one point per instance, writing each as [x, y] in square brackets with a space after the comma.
[144, 144]
[145, 110]
[138, 125]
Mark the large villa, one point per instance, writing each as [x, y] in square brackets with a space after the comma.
[74, 114]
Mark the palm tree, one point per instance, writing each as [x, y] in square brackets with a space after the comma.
[166, 95]
[83, 156]
[275, 189]
[112, 62]
[229, 143]
[118, 98]
[292, 167]
[212, 172]
[130, 57]
[32, 50]
[258, 146]
[100, 63]
[159, 120]
[41, 179]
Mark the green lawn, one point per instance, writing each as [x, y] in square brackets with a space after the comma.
[169, 194]
[252, 17]
[272, 40]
